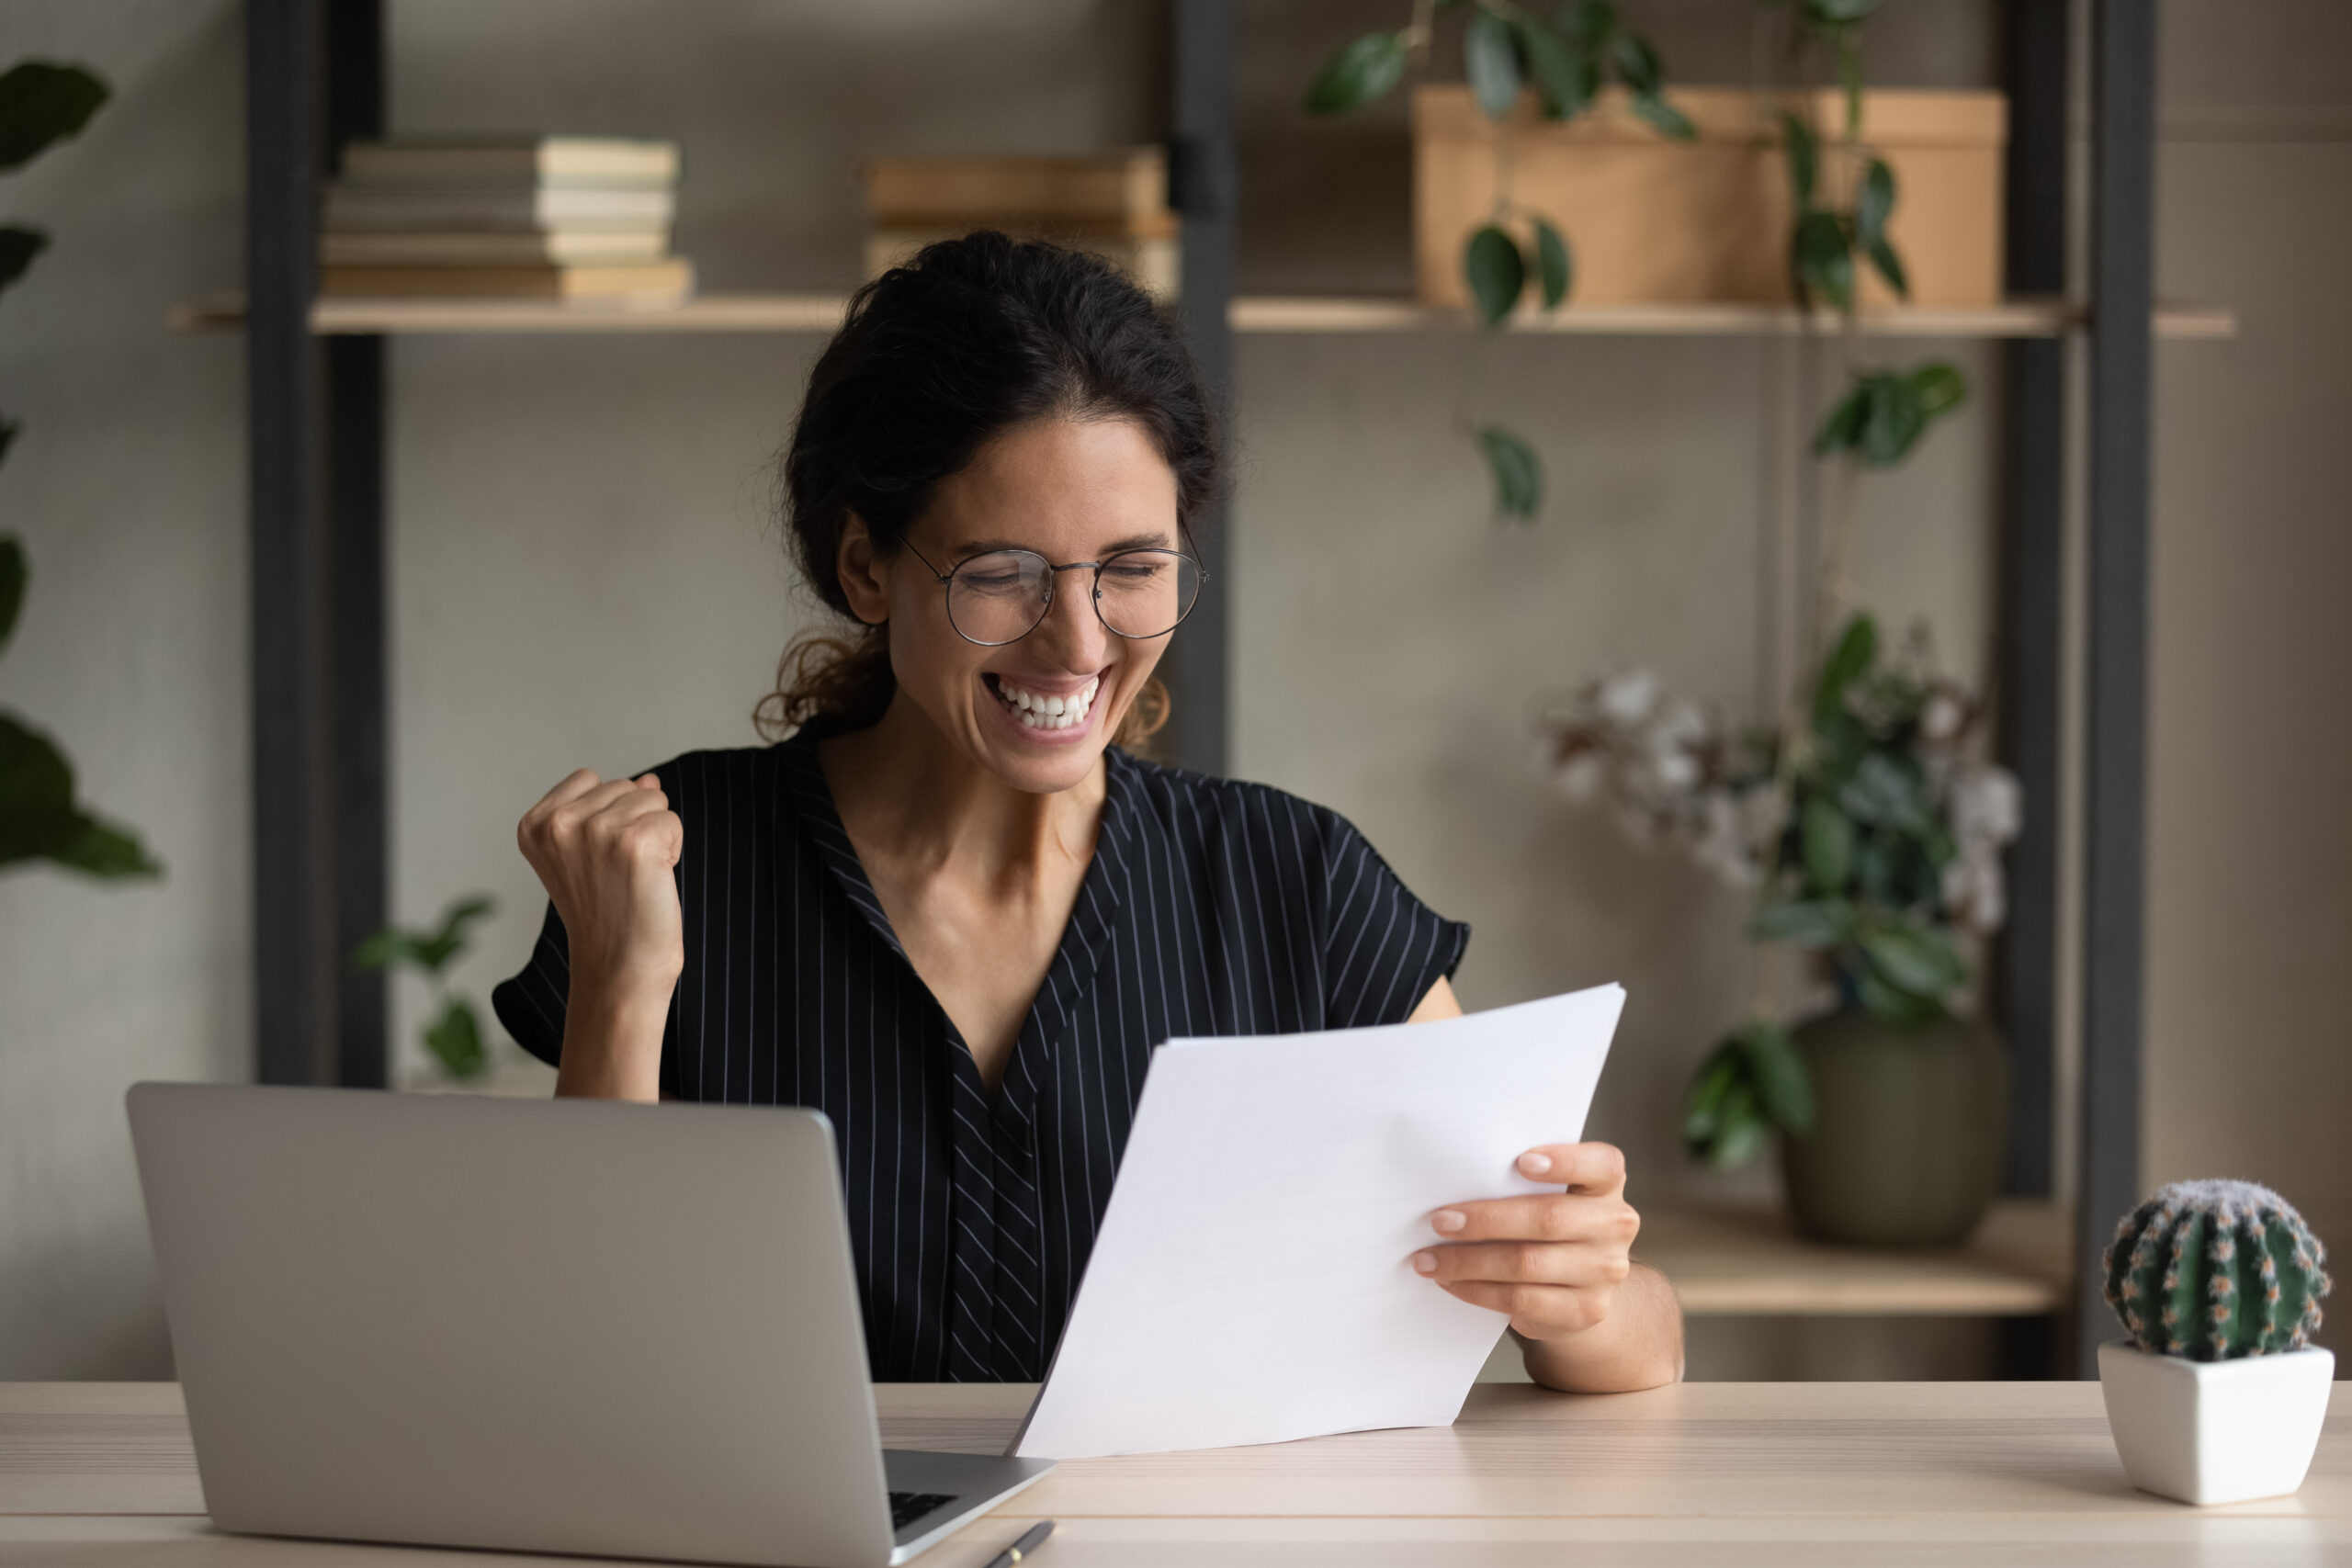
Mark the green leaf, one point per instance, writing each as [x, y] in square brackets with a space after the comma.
[1703, 1103]
[1564, 75]
[18, 245]
[1874, 202]
[1940, 389]
[455, 1038]
[1804, 159]
[1362, 70]
[1891, 1002]
[1828, 837]
[1823, 258]
[14, 573]
[1496, 272]
[1741, 1129]
[1636, 64]
[1884, 792]
[1894, 422]
[1855, 651]
[1664, 117]
[1491, 62]
[1839, 13]
[385, 949]
[1783, 1087]
[1554, 267]
[1808, 924]
[34, 775]
[102, 849]
[1915, 958]
[1842, 431]
[434, 952]
[1590, 23]
[42, 104]
[1889, 265]
[1519, 475]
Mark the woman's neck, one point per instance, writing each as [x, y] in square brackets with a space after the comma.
[907, 794]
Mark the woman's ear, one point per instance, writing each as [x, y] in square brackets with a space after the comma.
[860, 571]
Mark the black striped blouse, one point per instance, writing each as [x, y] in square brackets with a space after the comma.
[1210, 908]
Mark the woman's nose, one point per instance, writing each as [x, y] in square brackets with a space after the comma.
[1071, 630]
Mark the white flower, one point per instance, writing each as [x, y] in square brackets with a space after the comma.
[1722, 847]
[1976, 893]
[1583, 776]
[1944, 717]
[1987, 806]
[1627, 696]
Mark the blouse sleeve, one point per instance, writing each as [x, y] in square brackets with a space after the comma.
[1383, 947]
[531, 1004]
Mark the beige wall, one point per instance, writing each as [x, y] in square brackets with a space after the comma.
[584, 567]
[2249, 1047]
[128, 486]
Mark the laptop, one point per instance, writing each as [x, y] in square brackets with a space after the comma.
[536, 1326]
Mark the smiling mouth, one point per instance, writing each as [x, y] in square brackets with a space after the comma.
[1041, 710]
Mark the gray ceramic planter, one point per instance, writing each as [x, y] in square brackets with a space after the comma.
[1905, 1148]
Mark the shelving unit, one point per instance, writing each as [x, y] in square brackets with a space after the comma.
[1264, 314]
[1748, 1263]
[316, 388]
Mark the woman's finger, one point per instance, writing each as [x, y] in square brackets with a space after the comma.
[568, 788]
[1580, 1168]
[1523, 1263]
[1539, 1312]
[1544, 1216]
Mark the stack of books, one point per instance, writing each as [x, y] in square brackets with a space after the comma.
[512, 217]
[1115, 203]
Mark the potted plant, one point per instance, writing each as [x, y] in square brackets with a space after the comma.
[2219, 1395]
[1870, 833]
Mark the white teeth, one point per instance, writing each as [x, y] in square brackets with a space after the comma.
[1036, 711]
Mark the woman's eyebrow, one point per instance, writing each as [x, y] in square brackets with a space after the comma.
[965, 551]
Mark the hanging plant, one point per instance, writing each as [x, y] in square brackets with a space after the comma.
[1508, 51]
[40, 818]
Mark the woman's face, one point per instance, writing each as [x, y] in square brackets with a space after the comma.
[1071, 490]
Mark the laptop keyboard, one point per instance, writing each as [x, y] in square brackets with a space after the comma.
[906, 1507]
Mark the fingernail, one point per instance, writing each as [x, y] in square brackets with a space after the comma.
[1445, 1221]
[1425, 1263]
[1532, 1164]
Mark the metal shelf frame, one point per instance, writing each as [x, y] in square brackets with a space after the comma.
[315, 76]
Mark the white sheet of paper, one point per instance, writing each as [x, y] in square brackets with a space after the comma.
[1252, 1281]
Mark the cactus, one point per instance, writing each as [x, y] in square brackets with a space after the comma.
[2213, 1271]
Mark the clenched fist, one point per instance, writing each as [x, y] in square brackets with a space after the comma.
[607, 853]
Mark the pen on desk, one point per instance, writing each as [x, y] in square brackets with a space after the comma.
[1034, 1537]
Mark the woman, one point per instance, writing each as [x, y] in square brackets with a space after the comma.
[949, 911]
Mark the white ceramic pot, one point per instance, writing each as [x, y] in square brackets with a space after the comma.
[2215, 1431]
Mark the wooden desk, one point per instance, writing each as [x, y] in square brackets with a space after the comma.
[101, 1476]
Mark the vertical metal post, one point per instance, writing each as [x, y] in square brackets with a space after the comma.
[2033, 512]
[2124, 59]
[294, 914]
[354, 419]
[1202, 181]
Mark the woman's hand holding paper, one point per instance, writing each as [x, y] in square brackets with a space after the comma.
[1560, 1266]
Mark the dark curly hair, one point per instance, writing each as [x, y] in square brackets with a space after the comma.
[970, 338]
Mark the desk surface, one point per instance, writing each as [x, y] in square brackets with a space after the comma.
[99, 1475]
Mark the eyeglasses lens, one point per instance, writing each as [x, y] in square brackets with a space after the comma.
[1000, 597]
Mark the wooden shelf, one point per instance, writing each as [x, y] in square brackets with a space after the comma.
[1732, 1263]
[1258, 314]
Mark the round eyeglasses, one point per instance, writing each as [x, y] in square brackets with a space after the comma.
[1000, 597]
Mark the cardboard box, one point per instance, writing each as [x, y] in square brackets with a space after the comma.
[1653, 221]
